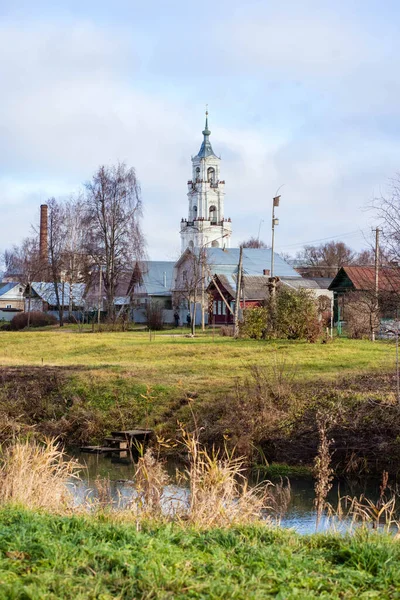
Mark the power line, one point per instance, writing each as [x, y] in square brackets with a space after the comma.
[341, 235]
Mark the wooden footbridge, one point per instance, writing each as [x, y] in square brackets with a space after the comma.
[122, 444]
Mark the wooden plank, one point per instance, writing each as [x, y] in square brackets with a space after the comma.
[132, 433]
[101, 449]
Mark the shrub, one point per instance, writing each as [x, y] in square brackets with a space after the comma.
[226, 331]
[254, 322]
[154, 315]
[296, 315]
[36, 319]
[361, 315]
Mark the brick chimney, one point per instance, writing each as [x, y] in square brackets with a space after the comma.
[43, 242]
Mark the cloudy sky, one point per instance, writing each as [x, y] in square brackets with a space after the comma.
[304, 94]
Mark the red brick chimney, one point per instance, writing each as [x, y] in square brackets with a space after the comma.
[43, 242]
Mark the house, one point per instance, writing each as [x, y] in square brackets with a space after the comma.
[11, 300]
[255, 291]
[151, 282]
[361, 281]
[41, 296]
[194, 270]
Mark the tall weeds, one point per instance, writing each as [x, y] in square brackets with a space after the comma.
[220, 494]
[37, 475]
[322, 467]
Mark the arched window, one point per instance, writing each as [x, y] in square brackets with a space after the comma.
[197, 173]
[213, 214]
[215, 244]
[191, 246]
[211, 175]
[194, 212]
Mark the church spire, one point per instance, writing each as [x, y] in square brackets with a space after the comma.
[206, 148]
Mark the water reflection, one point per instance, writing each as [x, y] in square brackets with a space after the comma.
[300, 514]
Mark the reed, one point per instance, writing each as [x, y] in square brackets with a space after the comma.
[37, 475]
[220, 494]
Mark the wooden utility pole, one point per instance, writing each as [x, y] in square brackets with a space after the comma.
[203, 321]
[237, 299]
[376, 307]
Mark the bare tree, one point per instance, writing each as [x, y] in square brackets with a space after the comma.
[56, 245]
[387, 213]
[189, 283]
[254, 242]
[324, 260]
[114, 240]
[75, 262]
[24, 264]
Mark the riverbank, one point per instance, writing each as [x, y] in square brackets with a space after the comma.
[71, 557]
[260, 398]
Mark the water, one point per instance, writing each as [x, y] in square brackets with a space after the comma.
[300, 514]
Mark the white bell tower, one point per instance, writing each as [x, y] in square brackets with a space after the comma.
[206, 224]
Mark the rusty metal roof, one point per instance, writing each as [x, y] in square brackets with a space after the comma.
[363, 279]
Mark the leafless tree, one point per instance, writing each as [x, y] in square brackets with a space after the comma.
[191, 278]
[75, 261]
[324, 260]
[113, 209]
[23, 263]
[56, 246]
[387, 213]
[254, 242]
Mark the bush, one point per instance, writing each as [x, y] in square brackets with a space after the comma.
[226, 331]
[296, 315]
[254, 322]
[361, 315]
[293, 316]
[154, 315]
[37, 319]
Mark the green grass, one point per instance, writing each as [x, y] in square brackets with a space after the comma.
[52, 557]
[276, 470]
[200, 362]
[82, 385]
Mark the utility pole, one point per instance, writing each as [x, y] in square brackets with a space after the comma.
[203, 321]
[275, 222]
[100, 298]
[376, 307]
[237, 298]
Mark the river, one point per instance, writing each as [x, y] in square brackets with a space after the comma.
[299, 513]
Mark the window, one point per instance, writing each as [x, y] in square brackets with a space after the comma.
[211, 175]
[214, 307]
[8, 306]
[213, 214]
[197, 173]
[20, 290]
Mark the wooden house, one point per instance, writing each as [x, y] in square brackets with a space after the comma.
[361, 281]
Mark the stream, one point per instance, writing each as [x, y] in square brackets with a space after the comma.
[299, 515]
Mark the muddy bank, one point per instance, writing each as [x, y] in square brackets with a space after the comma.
[266, 416]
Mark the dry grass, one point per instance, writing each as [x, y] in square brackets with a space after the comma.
[220, 494]
[151, 479]
[37, 475]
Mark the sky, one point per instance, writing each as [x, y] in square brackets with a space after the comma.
[303, 95]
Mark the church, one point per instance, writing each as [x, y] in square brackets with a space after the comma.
[205, 248]
[206, 223]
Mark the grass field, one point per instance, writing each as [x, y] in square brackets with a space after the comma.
[202, 363]
[81, 385]
[52, 557]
